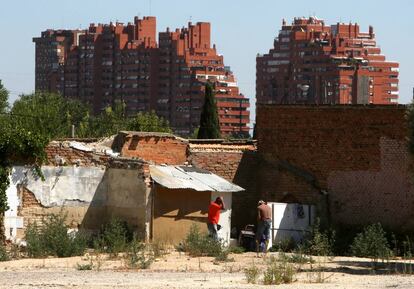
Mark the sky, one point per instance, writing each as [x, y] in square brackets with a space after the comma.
[240, 29]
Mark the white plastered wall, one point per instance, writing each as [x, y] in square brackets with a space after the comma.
[225, 215]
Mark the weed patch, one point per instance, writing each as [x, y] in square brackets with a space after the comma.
[252, 274]
[237, 250]
[3, 254]
[114, 237]
[278, 273]
[139, 255]
[298, 257]
[197, 244]
[318, 242]
[52, 238]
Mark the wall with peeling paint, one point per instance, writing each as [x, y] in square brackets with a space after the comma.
[89, 196]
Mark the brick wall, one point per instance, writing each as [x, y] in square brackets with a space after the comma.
[237, 163]
[155, 148]
[386, 195]
[356, 153]
[224, 164]
[58, 151]
[32, 211]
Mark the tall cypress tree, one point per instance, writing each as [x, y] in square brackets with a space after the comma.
[3, 98]
[209, 121]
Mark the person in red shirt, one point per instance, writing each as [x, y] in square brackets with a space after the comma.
[214, 216]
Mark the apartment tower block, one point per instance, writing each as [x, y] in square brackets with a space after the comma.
[311, 63]
[116, 62]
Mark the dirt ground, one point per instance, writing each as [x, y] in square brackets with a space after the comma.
[176, 270]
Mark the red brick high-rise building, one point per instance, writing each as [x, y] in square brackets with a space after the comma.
[312, 63]
[105, 63]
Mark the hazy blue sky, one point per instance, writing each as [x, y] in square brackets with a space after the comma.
[240, 29]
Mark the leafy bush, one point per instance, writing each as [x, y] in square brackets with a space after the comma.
[318, 242]
[197, 244]
[114, 237]
[35, 243]
[52, 238]
[137, 255]
[3, 254]
[252, 274]
[371, 243]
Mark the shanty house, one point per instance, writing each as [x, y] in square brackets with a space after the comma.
[181, 197]
[91, 184]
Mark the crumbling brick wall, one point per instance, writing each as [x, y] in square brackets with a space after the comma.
[60, 153]
[32, 211]
[358, 154]
[122, 192]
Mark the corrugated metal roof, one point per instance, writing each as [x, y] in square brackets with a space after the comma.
[188, 177]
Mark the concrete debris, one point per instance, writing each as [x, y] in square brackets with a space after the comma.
[79, 146]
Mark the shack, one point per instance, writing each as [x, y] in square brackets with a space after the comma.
[181, 196]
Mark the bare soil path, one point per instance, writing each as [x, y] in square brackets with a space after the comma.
[179, 271]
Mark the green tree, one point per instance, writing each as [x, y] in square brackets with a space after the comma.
[109, 122]
[209, 121]
[48, 114]
[114, 119]
[17, 145]
[149, 121]
[4, 95]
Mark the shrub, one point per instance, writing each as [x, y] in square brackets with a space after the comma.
[318, 242]
[35, 243]
[371, 243]
[278, 273]
[52, 238]
[223, 256]
[137, 255]
[114, 237]
[197, 244]
[3, 254]
[252, 274]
